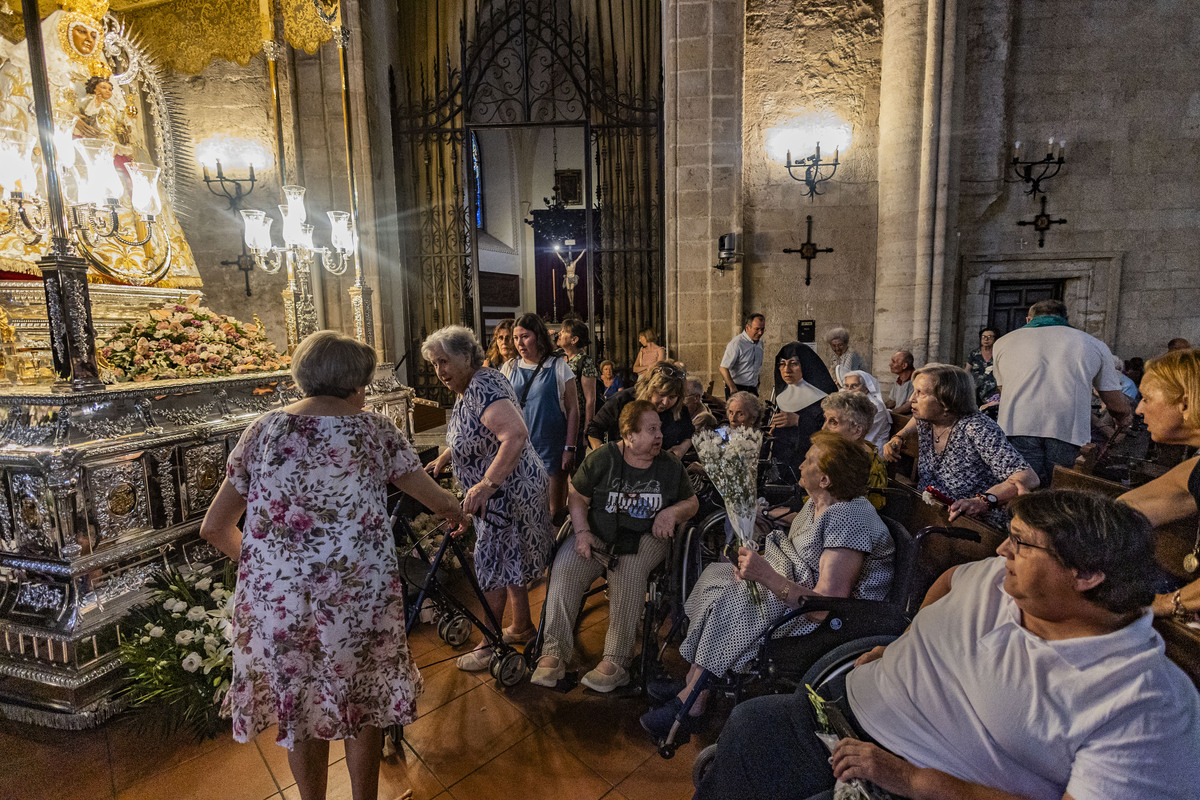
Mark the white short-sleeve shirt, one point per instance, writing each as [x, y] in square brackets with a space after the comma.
[1047, 375]
[560, 367]
[743, 358]
[969, 691]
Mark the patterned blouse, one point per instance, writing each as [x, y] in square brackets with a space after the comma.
[981, 371]
[976, 457]
[582, 365]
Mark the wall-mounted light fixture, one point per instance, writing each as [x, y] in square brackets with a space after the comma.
[805, 133]
[238, 156]
[727, 252]
[1041, 169]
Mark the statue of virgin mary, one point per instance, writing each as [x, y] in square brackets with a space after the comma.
[92, 103]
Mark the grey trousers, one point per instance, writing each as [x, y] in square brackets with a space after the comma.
[572, 575]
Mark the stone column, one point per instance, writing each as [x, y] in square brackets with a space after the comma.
[702, 109]
[913, 268]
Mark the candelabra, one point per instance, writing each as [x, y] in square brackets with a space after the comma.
[813, 175]
[298, 254]
[94, 192]
[1046, 167]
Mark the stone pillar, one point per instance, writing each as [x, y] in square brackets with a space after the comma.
[914, 270]
[702, 110]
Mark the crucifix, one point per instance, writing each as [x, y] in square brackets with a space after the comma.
[808, 251]
[1041, 223]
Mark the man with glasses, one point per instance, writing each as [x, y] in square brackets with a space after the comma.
[743, 357]
[1033, 675]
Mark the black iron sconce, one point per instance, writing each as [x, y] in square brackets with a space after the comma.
[1033, 172]
[813, 166]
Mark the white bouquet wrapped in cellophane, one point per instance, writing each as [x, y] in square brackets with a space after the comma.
[730, 458]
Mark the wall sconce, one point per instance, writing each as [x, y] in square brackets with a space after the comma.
[219, 153]
[804, 132]
[1046, 167]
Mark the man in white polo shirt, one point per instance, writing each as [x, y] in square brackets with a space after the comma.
[743, 357]
[1045, 373]
[1034, 675]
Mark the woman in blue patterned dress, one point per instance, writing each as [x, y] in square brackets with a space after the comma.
[318, 612]
[502, 476]
[962, 453]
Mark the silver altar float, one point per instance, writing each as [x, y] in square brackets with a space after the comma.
[102, 486]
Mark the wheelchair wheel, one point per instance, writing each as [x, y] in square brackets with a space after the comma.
[705, 544]
[455, 630]
[508, 668]
[703, 764]
[840, 660]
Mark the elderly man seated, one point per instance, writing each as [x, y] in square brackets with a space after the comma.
[1033, 675]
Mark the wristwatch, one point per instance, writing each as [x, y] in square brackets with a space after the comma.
[569, 448]
[486, 481]
[989, 498]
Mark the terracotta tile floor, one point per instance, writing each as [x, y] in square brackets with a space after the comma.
[472, 741]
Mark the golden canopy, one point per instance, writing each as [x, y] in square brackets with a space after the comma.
[185, 35]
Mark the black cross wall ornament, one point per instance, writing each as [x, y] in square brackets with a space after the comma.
[808, 251]
[1041, 223]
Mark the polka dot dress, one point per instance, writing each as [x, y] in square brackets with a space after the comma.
[726, 625]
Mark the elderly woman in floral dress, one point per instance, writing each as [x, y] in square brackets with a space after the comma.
[318, 613]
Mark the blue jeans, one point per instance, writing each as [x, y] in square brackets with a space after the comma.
[1043, 453]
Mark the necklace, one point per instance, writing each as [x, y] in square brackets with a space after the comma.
[937, 437]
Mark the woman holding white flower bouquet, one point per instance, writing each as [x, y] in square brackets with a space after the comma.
[318, 612]
[837, 546]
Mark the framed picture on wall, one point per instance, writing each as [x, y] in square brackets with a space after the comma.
[500, 288]
[570, 186]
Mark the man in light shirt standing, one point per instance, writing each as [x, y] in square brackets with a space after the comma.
[743, 357]
[1045, 373]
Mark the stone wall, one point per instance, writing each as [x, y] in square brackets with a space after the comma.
[1124, 92]
[804, 56]
[235, 101]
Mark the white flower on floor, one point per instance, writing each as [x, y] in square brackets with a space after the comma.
[192, 662]
[204, 584]
[178, 607]
[196, 613]
[156, 631]
[185, 637]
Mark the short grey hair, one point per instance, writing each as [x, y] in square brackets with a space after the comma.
[854, 407]
[454, 340]
[838, 333]
[693, 386]
[1048, 308]
[953, 387]
[754, 404]
[330, 363]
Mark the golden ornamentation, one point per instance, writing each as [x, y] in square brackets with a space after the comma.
[31, 515]
[80, 34]
[89, 8]
[207, 475]
[121, 500]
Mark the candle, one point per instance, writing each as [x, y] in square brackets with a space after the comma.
[268, 20]
[1062, 148]
[1050, 152]
[1017, 150]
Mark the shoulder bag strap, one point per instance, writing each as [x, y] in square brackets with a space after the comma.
[529, 384]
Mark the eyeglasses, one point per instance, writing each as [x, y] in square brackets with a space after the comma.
[671, 371]
[1018, 543]
[789, 362]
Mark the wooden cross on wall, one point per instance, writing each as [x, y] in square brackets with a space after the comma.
[1041, 223]
[808, 251]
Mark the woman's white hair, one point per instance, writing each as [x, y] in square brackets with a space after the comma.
[454, 340]
[838, 333]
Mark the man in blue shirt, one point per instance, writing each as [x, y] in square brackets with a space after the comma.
[743, 357]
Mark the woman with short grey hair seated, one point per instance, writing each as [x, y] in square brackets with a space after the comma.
[743, 410]
[502, 475]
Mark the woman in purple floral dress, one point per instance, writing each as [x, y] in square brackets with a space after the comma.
[318, 615]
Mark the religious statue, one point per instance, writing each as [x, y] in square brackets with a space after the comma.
[570, 278]
[91, 103]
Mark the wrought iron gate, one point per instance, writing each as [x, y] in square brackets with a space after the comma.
[530, 63]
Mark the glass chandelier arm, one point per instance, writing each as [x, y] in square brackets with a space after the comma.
[335, 262]
[269, 261]
[149, 222]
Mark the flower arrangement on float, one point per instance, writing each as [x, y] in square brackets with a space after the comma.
[181, 655]
[730, 459]
[186, 341]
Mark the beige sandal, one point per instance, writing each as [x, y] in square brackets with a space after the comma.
[475, 661]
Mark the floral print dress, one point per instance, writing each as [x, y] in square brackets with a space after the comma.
[976, 457]
[318, 614]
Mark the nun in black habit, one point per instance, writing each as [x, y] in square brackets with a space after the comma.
[801, 380]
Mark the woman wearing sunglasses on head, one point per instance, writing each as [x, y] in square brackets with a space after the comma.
[663, 389]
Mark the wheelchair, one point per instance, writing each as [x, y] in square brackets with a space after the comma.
[853, 627]
[783, 663]
[659, 604]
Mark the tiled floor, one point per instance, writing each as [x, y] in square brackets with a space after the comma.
[473, 741]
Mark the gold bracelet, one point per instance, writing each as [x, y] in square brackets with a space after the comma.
[1177, 609]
